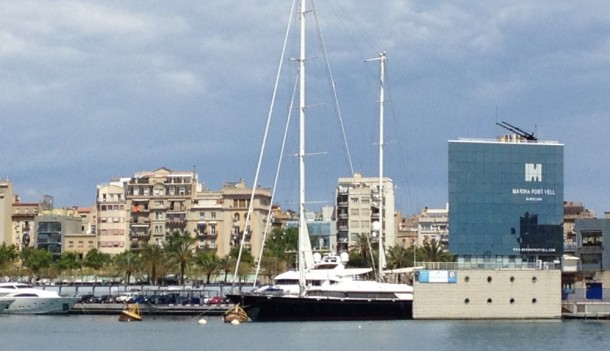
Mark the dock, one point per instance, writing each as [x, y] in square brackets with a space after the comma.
[151, 309]
[585, 309]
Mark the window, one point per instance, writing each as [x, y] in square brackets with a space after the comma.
[213, 230]
[213, 215]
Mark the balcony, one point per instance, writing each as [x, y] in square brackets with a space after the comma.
[140, 221]
[207, 235]
[140, 234]
[175, 222]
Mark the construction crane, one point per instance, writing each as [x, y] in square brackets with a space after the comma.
[518, 131]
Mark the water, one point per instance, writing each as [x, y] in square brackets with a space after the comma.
[89, 332]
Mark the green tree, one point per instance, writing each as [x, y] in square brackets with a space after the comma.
[96, 260]
[35, 260]
[361, 253]
[398, 257]
[281, 248]
[246, 264]
[225, 265]
[68, 261]
[126, 263]
[209, 263]
[282, 243]
[8, 256]
[434, 252]
[272, 266]
[179, 251]
[152, 258]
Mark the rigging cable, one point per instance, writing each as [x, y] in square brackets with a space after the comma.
[263, 144]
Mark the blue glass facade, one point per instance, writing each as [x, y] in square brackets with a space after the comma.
[505, 199]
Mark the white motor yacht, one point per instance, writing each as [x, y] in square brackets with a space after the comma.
[5, 302]
[31, 300]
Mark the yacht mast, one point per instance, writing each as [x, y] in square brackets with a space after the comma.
[302, 223]
[382, 262]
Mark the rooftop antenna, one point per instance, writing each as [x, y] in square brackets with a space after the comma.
[518, 131]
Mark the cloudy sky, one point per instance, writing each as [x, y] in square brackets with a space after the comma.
[91, 90]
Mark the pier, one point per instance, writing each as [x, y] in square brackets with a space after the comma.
[151, 309]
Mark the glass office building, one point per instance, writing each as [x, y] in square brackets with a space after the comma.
[505, 199]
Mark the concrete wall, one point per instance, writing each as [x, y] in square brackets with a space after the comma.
[491, 294]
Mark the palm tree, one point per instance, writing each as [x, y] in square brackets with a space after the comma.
[152, 258]
[209, 263]
[398, 257]
[225, 265]
[360, 251]
[126, 262]
[180, 251]
[434, 252]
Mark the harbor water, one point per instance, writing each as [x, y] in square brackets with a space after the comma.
[93, 332]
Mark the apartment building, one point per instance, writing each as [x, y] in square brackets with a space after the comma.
[358, 206]
[52, 230]
[432, 224]
[157, 202]
[236, 202]
[23, 223]
[144, 208]
[6, 203]
[112, 226]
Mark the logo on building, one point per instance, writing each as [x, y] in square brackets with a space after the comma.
[533, 172]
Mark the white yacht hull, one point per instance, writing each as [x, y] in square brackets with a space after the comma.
[41, 305]
[5, 302]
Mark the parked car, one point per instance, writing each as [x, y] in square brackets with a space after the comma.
[138, 299]
[107, 299]
[90, 298]
[124, 297]
[215, 300]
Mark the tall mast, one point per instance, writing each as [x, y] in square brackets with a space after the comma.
[302, 222]
[382, 58]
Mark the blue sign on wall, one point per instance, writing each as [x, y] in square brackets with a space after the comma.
[438, 277]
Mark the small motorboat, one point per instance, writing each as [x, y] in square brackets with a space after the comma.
[236, 314]
[131, 313]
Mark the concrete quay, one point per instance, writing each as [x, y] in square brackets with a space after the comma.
[585, 309]
[150, 309]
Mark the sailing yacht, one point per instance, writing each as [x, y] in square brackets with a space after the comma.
[326, 290]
